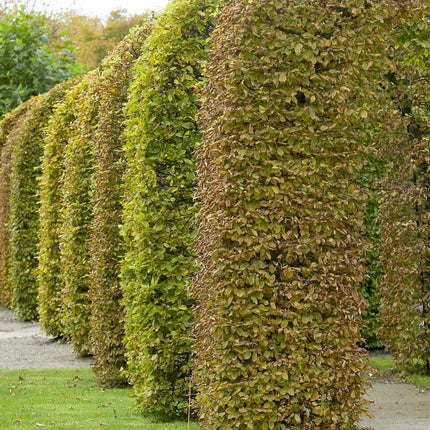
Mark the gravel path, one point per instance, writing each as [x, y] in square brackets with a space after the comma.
[396, 406]
[24, 346]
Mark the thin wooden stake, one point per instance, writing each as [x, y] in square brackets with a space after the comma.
[189, 407]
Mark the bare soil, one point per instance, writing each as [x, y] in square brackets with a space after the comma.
[396, 406]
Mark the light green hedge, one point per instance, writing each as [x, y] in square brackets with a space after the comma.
[25, 204]
[106, 246]
[76, 214]
[49, 271]
[161, 136]
[10, 128]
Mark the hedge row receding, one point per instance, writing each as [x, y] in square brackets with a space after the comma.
[405, 209]
[25, 204]
[106, 246]
[76, 213]
[10, 128]
[162, 134]
[292, 96]
[292, 100]
[49, 271]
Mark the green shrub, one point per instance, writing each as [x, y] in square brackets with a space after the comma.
[372, 172]
[9, 132]
[405, 209]
[106, 247]
[28, 64]
[25, 203]
[161, 136]
[76, 215]
[292, 103]
[49, 270]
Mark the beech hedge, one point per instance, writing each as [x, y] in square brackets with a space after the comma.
[25, 203]
[50, 290]
[10, 128]
[106, 245]
[292, 105]
[76, 213]
[161, 136]
[405, 209]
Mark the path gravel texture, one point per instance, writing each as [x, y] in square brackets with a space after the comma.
[396, 406]
[24, 346]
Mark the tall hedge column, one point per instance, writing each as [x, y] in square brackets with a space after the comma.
[405, 208]
[161, 137]
[49, 271]
[106, 244]
[9, 133]
[290, 100]
[25, 203]
[76, 214]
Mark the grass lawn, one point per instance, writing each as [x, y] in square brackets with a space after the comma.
[384, 364]
[63, 399]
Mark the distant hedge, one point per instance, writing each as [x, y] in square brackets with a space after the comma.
[10, 128]
[161, 136]
[405, 208]
[25, 204]
[76, 214]
[49, 271]
[106, 245]
[292, 104]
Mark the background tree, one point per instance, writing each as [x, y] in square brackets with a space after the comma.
[94, 37]
[28, 66]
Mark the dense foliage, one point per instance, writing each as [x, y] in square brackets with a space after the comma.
[162, 134]
[25, 203]
[372, 172]
[9, 131]
[405, 209]
[106, 248]
[76, 214]
[303, 107]
[291, 107]
[49, 270]
[28, 66]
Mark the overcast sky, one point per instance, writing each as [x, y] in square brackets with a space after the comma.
[99, 7]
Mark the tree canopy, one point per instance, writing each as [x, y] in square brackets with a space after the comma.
[28, 64]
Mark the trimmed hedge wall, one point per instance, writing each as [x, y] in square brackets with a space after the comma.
[10, 128]
[76, 215]
[106, 247]
[162, 133]
[405, 209]
[49, 270]
[291, 108]
[25, 204]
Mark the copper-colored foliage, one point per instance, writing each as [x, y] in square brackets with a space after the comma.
[290, 112]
